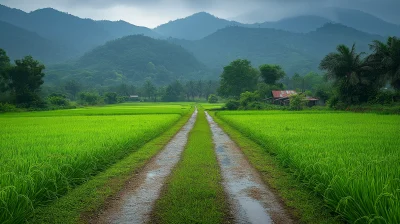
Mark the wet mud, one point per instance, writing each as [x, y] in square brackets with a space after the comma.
[251, 201]
[134, 204]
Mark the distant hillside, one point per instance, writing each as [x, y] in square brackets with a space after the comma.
[298, 24]
[78, 35]
[194, 27]
[131, 59]
[19, 43]
[295, 52]
[361, 21]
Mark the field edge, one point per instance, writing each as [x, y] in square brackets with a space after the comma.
[87, 199]
[301, 203]
[213, 201]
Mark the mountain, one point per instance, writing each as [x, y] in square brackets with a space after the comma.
[194, 27]
[74, 33]
[121, 29]
[19, 43]
[361, 21]
[298, 24]
[295, 52]
[131, 59]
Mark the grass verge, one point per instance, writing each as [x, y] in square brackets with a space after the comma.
[304, 205]
[91, 196]
[194, 192]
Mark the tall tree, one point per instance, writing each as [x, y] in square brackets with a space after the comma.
[353, 77]
[238, 77]
[271, 73]
[26, 77]
[72, 87]
[386, 59]
[4, 66]
[149, 89]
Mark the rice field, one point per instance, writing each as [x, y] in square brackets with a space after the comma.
[350, 160]
[43, 155]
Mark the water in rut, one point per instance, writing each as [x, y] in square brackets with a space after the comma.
[250, 199]
[135, 203]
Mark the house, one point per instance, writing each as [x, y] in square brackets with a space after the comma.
[282, 97]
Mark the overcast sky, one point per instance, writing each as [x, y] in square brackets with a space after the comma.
[152, 13]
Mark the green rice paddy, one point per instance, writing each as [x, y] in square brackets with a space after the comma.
[350, 160]
[43, 155]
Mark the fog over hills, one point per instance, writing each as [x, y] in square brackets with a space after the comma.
[82, 47]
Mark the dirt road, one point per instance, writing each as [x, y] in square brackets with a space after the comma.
[134, 204]
[250, 199]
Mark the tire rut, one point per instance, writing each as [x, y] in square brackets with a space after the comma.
[134, 204]
[251, 201]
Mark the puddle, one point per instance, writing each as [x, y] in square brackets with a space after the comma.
[135, 203]
[251, 200]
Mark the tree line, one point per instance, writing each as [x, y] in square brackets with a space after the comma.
[21, 86]
[350, 78]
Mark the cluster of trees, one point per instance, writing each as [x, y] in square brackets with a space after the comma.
[360, 79]
[350, 79]
[20, 82]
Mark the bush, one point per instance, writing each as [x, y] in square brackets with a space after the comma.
[89, 98]
[249, 100]
[297, 102]
[232, 105]
[213, 98]
[5, 107]
[111, 98]
[58, 100]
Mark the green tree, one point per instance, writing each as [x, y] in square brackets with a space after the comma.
[4, 66]
[149, 89]
[72, 87]
[213, 98]
[386, 59]
[353, 77]
[26, 77]
[250, 100]
[271, 73]
[173, 92]
[111, 98]
[238, 77]
[297, 102]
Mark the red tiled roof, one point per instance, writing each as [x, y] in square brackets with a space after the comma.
[283, 93]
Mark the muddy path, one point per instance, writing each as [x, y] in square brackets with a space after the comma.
[251, 201]
[135, 202]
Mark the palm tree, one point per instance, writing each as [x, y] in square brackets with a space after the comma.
[386, 59]
[350, 72]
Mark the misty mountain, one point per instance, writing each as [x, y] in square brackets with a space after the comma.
[131, 59]
[194, 27]
[200, 25]
[298, 24]
[19, 43]
[77, 34]
[121, 28]
[361, 21]
[295, 52]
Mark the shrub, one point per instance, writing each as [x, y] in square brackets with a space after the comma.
[89, 98]
[297, 102]
[6, 107]
[249, 99]
[111, 98]
[232, 105]
[58, 100]
[213, 98]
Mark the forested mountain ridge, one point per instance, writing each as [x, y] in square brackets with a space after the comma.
[194, 27]
[70, 32]
[19, 42]
[295, 52]
[200, 25]
[131, 59]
